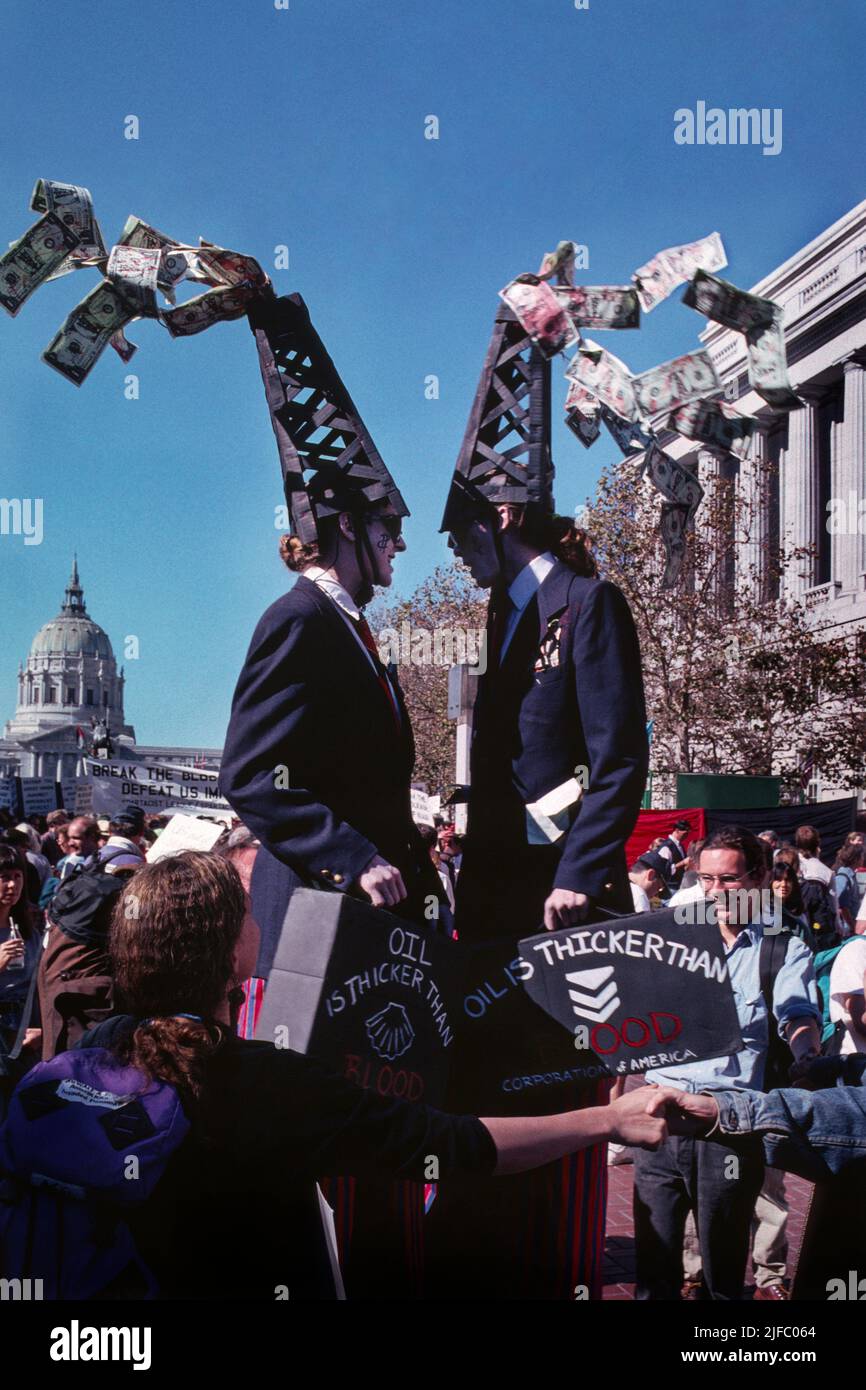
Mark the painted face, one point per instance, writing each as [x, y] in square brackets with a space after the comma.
[386, 541]
[475, 547]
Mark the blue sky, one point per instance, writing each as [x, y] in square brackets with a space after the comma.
[305, 127]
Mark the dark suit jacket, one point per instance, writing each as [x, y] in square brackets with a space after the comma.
[308, 701]
[568, 694]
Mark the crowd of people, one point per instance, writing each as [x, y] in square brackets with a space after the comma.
[166, 988]
[819, 913]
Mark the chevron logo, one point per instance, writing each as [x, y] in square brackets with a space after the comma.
[598, 998]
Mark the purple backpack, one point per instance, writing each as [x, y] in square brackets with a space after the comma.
[85, 1139]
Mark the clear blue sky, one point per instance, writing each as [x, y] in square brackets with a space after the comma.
[306, 127]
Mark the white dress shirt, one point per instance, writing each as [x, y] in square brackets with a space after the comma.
[527, 583]
[349, 611]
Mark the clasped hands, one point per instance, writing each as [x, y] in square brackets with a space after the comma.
[647, 1116]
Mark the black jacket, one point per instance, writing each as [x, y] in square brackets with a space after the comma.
[309, 711]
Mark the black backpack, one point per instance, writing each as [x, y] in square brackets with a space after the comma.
[774, 948]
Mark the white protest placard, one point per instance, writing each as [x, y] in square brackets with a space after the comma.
[184, 832]
[421, 813]
[154, 787]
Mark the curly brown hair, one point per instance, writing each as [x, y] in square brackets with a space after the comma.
[173, 935]
[558, 534]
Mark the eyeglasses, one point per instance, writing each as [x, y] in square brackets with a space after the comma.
[726, 880]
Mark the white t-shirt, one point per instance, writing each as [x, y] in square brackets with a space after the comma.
[846, 977]
[639, 897]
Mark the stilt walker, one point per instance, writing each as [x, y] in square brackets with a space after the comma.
[558, 767]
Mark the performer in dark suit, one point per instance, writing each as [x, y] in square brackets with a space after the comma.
[319, 750]
[558, 767]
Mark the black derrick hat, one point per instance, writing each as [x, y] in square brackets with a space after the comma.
[506, 453]
[316, 423]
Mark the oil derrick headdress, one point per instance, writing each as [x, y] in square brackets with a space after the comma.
[329, 462]
[505, 455]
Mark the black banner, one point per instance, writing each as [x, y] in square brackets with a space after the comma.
[641, 991]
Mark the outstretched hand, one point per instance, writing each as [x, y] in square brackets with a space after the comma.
[685, 1113]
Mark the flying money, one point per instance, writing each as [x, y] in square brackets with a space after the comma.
[672, 526]
[87, 331]
[226, 302]
[673, 383]
[630, 438]
[672, 267]
[768, 366]
[582, 413]
[539, 314]
[726, 304]
[174, 264]
[673, 481]
[604, 376]
[559, 263]
[715, 424]
[600, 306]
[33, 259]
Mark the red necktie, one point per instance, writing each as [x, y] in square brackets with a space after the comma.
[367, 638]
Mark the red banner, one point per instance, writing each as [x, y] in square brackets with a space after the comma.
[652, 824]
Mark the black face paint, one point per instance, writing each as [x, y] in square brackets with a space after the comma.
[383, 542]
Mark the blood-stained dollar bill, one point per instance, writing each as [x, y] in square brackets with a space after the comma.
[540, 314]
[135, 270]
[600, 306]
[604, 376]
[583, 413]
[673, 266]
[33, 259]
[714, 424]
[226, 302]
[768, 366]
[88, 330]
[174, 263]
[724, 303]
[673, 383]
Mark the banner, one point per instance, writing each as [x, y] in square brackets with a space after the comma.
[641, 991]
[363, 991]
[155, 787]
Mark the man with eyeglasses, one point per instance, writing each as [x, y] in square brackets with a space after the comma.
[721, 1183]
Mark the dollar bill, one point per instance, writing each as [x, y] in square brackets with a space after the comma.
[222, 267]
[630, 438]
[135, 270]
[724, 303]
[87, 331]
[74, 206]
[586, 427]
[559, 263]
[604, 376]
[673, 481]
[670, 384]
[672, 527]
[768, 365]
[174, 263]
[714, 424]
[600, 306]
[673, 266]
[225, 302]
[540, 314]
[32, 259]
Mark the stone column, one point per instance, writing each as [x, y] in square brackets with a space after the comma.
[849, 479]
[753, 527]
[800, 519]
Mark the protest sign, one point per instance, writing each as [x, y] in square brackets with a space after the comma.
[155, 787]
[421, 813]
[38, 795]
[184, 832]
[643, 990]
[364, 992]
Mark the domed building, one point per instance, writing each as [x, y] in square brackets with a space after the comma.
[71, 675]
[70, 700]
[69, 685]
